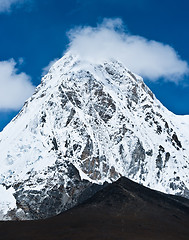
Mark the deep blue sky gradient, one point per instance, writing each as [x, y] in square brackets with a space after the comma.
[37, 33]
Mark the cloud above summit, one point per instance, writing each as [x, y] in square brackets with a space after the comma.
[15, 87]
[148, 58]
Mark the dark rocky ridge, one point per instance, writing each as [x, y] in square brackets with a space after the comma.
[50, 201]
[123, 210]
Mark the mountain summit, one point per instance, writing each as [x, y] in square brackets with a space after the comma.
[87, 124]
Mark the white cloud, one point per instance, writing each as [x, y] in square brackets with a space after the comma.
[15, 87]
[6, 5]
[21, 61]
[46, 69]
[148, 58]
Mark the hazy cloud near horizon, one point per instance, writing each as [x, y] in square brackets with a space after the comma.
[15, 87]
[148, 58]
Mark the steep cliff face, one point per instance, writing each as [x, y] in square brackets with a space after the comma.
[87, 124]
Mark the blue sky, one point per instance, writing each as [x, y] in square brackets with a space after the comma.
[34, 32]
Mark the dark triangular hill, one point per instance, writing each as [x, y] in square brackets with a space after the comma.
[122, 210]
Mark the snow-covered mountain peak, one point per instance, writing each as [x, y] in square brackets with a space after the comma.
[86, 124]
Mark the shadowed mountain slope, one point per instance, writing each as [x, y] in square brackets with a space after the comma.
[121, 210]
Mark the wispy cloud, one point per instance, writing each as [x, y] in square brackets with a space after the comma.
[15, 87]
[6, 5]
[148, 58]
[46, 69]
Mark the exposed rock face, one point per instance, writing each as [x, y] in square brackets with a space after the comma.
[84, 125]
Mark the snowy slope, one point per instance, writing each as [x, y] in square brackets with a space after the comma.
[85, 124]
